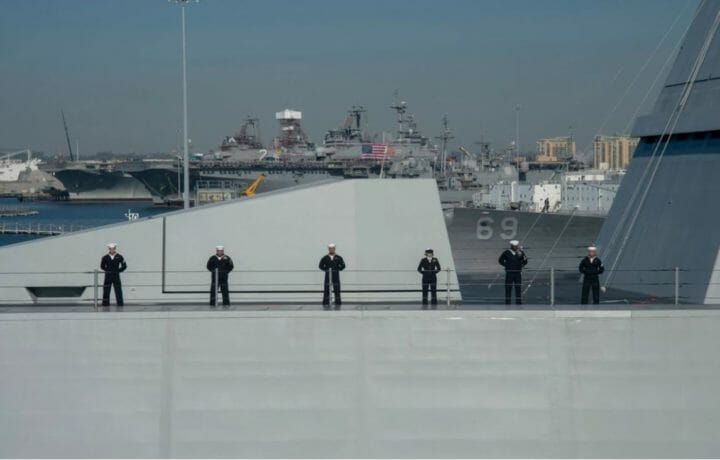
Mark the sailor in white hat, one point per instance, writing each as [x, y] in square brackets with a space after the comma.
[332, 264]
[220, 265]
[513, 260]
[591, 267]
[112, 264]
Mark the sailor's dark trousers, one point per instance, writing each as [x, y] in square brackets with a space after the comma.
[223, 278]
[429, 283]
[333, 275]
[588, 284]
[112, 280]
[513, 279]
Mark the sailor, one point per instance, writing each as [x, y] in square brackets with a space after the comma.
[112, 264]
[332, 264]
[221, 265]
[591, 267]
[513, 259]
[429, 267]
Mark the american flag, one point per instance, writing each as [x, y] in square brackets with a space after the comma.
[377, 151]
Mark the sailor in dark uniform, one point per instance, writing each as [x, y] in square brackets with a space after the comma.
[332, 264]
[591, 267]
[112, 264]
[221, 265]
[513, 259]
[429, 267]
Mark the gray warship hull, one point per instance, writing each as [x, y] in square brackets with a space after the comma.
[551, 241]
[101, 185]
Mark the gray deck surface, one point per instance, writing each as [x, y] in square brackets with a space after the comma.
[609, 305]
[360, 384]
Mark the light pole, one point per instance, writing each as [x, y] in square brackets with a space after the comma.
[186, 154]
[517, 131]
[179, 160]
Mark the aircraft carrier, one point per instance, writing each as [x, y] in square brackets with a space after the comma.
[97, 181]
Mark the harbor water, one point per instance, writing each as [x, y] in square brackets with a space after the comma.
[71, 215]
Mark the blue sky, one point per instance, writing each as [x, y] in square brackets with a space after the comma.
[114, 67]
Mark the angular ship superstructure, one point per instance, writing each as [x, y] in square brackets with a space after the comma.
[665, 222]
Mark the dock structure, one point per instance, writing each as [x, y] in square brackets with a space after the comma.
[17, 228]
[7, 211]
[360, 384]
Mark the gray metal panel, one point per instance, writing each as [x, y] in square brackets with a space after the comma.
[677, 226]
[713, 292]
[694, 40]
[381, 228]
[678, 223]
[352, 384]
[550, 240]
[702, 112]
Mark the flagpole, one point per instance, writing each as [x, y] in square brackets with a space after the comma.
[382, 163]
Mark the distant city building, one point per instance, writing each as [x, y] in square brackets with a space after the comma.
[555, 149]
[613, 152]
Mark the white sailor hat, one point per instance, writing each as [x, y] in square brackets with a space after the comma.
[430, 250]
[331, 245]
[514, 243]
[112, 245]
[592, 248]
[219, 248]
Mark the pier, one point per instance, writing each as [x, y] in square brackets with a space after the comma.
[38, 229]
[17, 212]
[51, 195]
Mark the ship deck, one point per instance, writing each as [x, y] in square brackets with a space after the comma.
[159, 307]
[360, 383]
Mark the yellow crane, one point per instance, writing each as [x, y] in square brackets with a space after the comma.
[250, 189]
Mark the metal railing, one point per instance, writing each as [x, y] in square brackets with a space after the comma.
[540, 288]
[249, 286]
[552, 286]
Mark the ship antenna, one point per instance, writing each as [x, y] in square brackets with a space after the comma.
[67, 136]
[444, 137]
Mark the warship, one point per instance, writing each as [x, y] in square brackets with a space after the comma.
[170, 381]
[347, 152]
[469, 185]
[477, 190]
[98, 180]
[92, 180]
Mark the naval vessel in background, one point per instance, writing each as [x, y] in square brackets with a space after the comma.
[98, 180]
[555, 210]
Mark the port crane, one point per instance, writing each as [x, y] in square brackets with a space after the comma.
[250, 189]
